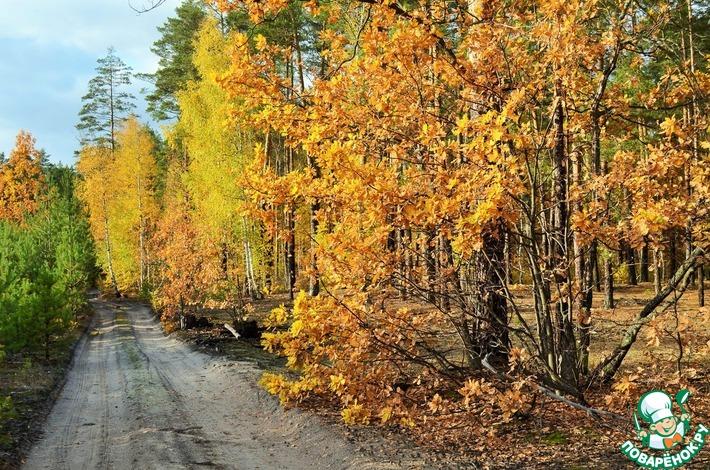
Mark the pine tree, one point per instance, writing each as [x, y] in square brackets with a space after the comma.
[46, 266]
[107, 102]
[175, 48]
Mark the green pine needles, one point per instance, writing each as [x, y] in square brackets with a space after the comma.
[46, 266]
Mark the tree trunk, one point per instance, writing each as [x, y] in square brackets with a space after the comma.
[700, 275]
[657, 270]
[290, 235]
[608, 367]
[583, 279]
[644, 263]
[268, 241]
[109, 255]
[451, 286]
[495, 341]
[567, 359]
[141, 237]
[409, 260]
[314, 277]
[290, 250]
[507, 257]
[224, 260]
[430, 261]
[608, 284]
[402, 263]
[631, 266]
[594, 260]
[672, 252]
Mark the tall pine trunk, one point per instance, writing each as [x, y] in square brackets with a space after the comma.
[567, 352]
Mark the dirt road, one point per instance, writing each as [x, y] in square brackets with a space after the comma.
[136, 399]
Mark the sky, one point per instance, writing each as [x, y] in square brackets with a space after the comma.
[48, 52]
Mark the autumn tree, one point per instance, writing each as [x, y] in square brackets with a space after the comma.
[425, 183]
[94, 166]
[118, 191]
[188, 269]
[132, 179]
[406, 162]
[21, 180]
[219, 151]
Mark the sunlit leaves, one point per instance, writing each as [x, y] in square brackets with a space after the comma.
[118, 190]
[21, 180]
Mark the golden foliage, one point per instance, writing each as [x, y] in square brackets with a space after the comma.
[21, 180]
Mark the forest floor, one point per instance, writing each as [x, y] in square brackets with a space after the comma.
[33, 383]
[136, 398]
[554, 436]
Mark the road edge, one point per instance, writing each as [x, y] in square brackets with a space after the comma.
[30, 436]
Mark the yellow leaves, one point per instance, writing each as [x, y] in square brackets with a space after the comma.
[260, 42]
[462, 125]
[286, 390]
[670, 127]
[407, 422]
[277, 317]
[625, 384]
[385, 414]
[117, 188]
[272, 383]
[517, 357]
[355, 413]
[430, 132]
[411, 142]
[474, 389]
[649, 220]
[337, 384]
[21, 180]
[515, 100]
[511, 402]
[270, 341]
[276, 384]
[496, 134]
[300, 304]
[296, 328]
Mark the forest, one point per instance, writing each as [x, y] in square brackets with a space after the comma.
[473, 216]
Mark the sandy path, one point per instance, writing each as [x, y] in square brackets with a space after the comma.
[137, 399]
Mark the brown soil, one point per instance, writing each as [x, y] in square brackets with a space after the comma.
[554, 436]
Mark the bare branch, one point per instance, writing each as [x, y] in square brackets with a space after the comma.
[608, 367]
[146, 7]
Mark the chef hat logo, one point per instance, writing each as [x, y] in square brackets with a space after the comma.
[655, 406]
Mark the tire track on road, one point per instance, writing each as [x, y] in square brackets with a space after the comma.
[136, 399]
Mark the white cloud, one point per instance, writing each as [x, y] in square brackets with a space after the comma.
[49, 50]
[90, 26]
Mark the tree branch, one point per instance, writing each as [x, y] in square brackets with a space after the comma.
[608, 367]
[152, 5]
